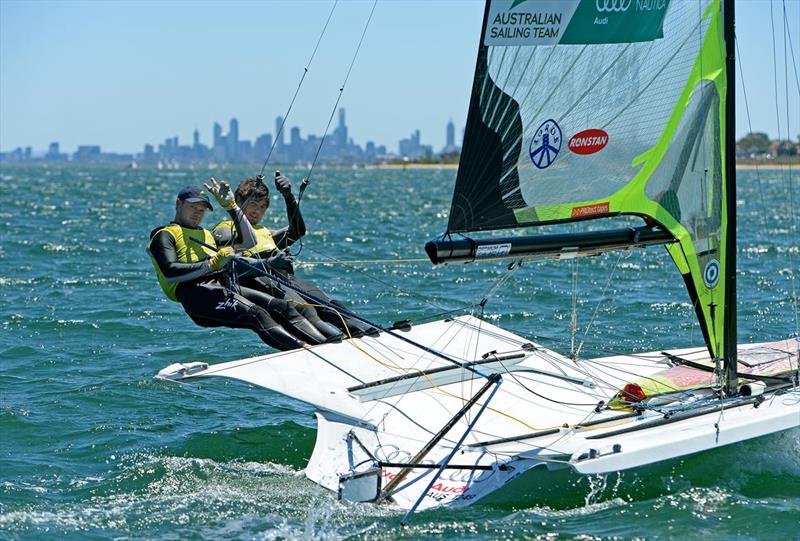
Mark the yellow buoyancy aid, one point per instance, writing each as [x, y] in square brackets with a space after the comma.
[264, 240]
[187, 252]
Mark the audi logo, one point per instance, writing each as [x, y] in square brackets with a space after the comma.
[613, 5]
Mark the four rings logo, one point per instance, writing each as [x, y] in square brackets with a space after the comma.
[613, 5]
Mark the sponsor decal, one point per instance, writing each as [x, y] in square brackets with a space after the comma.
[546, 144]
[711, 273]
[523, 22]
[588, 141]
[612, 5]
[493, 250]
[551, 22]
[590, 210]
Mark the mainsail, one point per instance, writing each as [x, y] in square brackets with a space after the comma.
[583, 109]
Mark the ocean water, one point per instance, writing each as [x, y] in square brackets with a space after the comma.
[91, 447]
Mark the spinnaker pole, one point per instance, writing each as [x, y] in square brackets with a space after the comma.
[729, 332]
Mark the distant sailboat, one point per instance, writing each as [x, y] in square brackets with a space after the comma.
[580, 110]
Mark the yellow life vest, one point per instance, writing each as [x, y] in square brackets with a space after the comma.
[264, 240]
[187, 252]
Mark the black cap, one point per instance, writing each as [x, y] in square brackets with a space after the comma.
[194, 194]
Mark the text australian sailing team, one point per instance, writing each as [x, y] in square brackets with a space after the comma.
[239, 274]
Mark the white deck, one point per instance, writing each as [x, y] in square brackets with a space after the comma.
[544, 391]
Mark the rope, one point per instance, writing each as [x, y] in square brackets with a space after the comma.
[366, 261]
[307, 180]
[297, 90]
[597, 308]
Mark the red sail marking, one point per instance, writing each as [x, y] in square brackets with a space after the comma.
[588, 141]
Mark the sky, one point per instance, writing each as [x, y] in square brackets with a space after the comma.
[124, 73]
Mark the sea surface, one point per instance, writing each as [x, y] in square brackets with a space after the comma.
[92, 447]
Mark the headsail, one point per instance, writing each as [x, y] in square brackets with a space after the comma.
[584, 109]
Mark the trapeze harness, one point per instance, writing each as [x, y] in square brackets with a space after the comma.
[185, 276]
[328, 321]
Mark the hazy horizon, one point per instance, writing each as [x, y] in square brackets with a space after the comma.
[124, 74]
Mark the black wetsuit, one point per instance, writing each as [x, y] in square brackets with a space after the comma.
[207, 299]
[328, 320]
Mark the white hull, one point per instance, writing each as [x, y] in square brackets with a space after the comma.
[546, 403]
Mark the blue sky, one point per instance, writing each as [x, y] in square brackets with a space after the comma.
[124, 73]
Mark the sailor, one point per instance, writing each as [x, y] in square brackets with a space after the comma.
[190, 270]
[271, 248]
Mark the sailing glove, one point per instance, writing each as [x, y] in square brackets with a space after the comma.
[283, 185]
[222, 193]
[222, 257]
[281, 261]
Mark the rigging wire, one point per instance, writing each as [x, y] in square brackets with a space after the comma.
[789, 169]
[297, 90]
[398, 289]
[307, 180]
[597, 308]
[750, 129]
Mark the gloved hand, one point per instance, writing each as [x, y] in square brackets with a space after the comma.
[281, 261]
[221, 258]
[221, 192]
[282, 184]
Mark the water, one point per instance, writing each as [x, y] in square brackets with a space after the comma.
[92, 448]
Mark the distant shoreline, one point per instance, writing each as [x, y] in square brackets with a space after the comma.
[414, 165]
[386, 166]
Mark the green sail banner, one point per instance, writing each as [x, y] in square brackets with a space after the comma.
[582, 109]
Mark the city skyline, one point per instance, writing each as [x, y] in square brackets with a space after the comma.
[121, 73]
[226, 146]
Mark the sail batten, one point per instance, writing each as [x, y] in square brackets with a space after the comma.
[582, 109]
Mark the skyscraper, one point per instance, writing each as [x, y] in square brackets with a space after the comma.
[279, 132]
[451, 134]
[340, 133]
[196, 139]
[232, 140]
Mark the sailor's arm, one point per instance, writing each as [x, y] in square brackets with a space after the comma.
[224, 197]
[297, 228]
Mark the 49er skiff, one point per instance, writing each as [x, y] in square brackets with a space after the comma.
[444, 413]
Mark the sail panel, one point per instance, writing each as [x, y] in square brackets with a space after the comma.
[584, 109]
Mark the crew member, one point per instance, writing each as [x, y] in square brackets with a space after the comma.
[253, 196]
[191, 272]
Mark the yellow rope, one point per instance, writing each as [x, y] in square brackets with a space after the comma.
[363, 262]
[423, 374]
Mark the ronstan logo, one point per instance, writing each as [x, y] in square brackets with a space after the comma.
[588, 141]
[612, 5]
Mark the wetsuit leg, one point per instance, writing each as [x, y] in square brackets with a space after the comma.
[333, 316]
[283, 311]
[265, 285]
[209, 304]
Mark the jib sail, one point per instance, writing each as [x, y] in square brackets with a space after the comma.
[584, 109]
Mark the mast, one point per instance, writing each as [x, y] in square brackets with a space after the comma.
[729, 348]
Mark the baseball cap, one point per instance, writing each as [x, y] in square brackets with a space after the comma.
[194, 194]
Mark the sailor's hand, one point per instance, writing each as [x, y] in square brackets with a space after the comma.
[282, 184]
[221, 192]
[281, 261]
[221, 258]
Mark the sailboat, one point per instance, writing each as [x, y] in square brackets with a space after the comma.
[581, 111]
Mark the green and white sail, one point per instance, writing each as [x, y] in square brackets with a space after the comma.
[583, 109]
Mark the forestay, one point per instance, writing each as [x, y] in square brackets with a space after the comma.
[584, 109]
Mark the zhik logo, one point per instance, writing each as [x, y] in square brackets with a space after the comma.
[230, 302]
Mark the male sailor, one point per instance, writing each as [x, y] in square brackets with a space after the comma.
[253, 197]
[190, 270]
